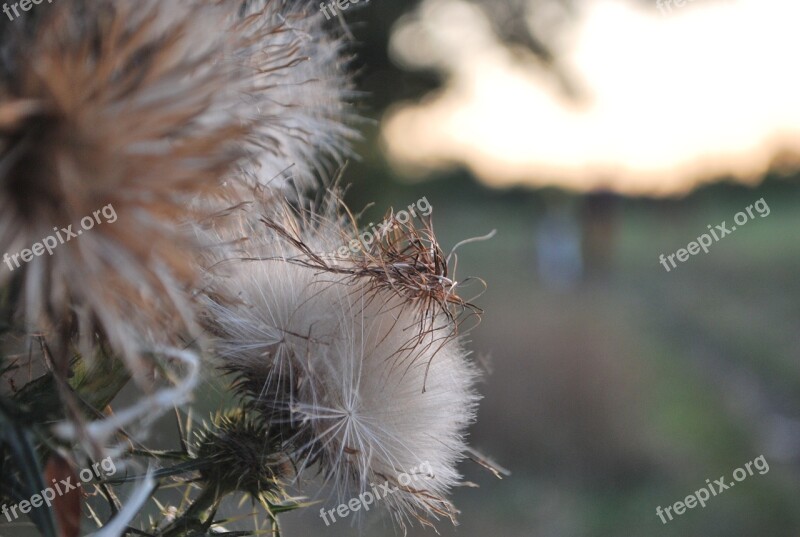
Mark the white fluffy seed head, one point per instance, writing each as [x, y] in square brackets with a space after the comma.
[295, 89]
[344, 368]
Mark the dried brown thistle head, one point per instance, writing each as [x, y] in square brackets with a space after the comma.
[104, 108]
[406, 261]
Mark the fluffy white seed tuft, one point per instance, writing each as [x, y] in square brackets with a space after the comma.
[360, 392]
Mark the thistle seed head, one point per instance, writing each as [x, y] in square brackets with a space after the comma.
[359, 390]
[239, 454]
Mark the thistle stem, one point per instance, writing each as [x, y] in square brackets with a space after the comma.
[190, 520]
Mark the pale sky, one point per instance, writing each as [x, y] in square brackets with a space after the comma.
[710, 89]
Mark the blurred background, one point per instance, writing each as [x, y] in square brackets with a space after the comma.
[595, 136]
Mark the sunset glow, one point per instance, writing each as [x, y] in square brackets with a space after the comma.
[672, 100]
